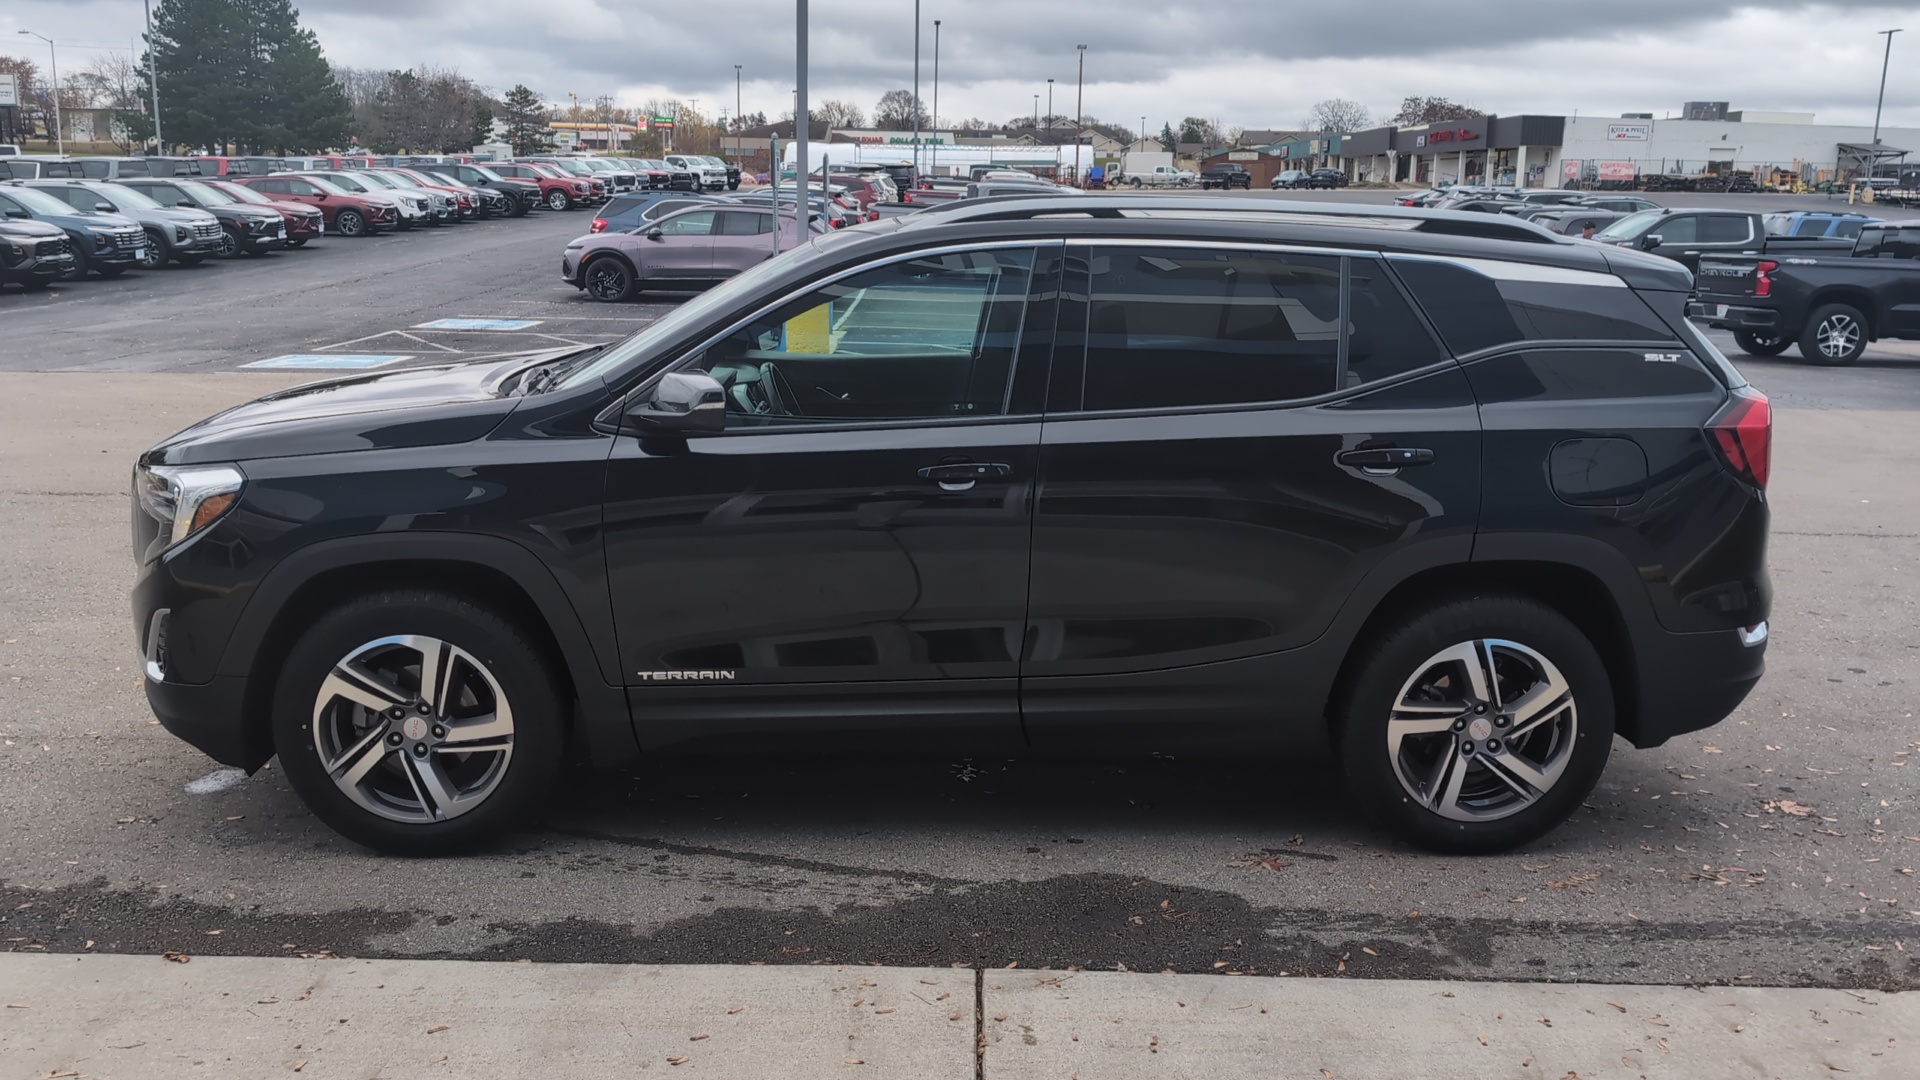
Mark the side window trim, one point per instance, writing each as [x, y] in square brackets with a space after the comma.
[682, 357]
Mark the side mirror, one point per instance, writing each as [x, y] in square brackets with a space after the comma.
[104, 207]
[188, 203]
[684, 403]
[15, 212]
[1650, 242]
[655, 233]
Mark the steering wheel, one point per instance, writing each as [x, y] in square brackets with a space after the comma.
[781, 400]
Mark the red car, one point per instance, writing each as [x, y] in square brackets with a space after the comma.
[303, 222]
[557, 191]
[347, 213]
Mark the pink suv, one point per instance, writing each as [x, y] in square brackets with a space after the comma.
[696, 246]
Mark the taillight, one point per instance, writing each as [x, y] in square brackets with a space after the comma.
[599, 225]
[1762, 284]
[1743, 433]
[906, 196]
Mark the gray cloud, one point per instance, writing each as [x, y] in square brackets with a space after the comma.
[1256, 62]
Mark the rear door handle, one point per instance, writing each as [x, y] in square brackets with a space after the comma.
[961, 475]
[1385, 459]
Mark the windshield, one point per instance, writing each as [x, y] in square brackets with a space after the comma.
[399, 179]
[681, 319]
[599, 166]
[242, 193]
[37, 201]
[340, 183]
[443, 180]
[204, 195]
[129, 199]
[375, 181]
[568, 165]
[1629, 227]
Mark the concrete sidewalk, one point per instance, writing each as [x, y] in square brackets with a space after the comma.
[141, 1018]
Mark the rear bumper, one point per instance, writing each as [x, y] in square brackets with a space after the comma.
[1693, 681]
[1733, 316]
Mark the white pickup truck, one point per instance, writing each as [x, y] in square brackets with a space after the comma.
[1162, 176]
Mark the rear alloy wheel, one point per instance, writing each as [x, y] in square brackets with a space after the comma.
[1478, 726]
[608, 280]
[559, 200]
[1759, 344]
[228, 245]
[1836, 335]
[418, 722]
[156, 254]
[350, 223]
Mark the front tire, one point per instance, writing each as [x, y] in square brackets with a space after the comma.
[229, 245]
[156, 255]
[517, 206]
[418, 722]
[559, 200]
[1758, 345]
[1836, 335]
[608, 280]
[350, 223]
[1476, 725]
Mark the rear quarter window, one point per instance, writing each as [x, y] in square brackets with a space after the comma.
[1475, 311]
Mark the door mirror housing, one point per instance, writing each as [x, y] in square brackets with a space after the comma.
[103, 206]
[683, 403]
[655, 233]
[188, 203]
[15, 212]
[1650, 242]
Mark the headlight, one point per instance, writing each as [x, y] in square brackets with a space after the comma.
[184, 499]
[15, 249]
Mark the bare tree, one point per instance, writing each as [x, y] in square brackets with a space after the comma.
[1337, 116]
[113, 81]
[896, 110]
[840, 114]
[1432, 110]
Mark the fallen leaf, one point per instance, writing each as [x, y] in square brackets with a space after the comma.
[1000, 1018]
[301, 1064]
[1617, 1005]
[1482, 1038]
[274, 1000]
[678, 1059]
[437, 1029]
[944, 995]
[1368, 949]
[855, 1061]
[1546, 1022]
[176, 957]
[13, 1006]
[1655, 1019]
[1326, 1072]
[883, 1012]
[697, 1038]
[735, 1009]
[1153, 1045]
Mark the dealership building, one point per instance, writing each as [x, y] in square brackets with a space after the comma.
[1555, 151]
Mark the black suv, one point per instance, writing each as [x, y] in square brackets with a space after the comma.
[1473, 497]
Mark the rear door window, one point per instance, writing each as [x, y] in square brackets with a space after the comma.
[1725, 229]
[1811, 227]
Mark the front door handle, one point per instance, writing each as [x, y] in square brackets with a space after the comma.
[1385, 460]
[962, 475]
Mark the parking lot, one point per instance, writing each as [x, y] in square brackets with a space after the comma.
[1779, 848]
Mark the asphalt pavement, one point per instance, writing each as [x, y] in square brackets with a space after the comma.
[1777, 849]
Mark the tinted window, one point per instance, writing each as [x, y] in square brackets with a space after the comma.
[1850, 228]
[1474, 311]
[74, 197]
[928, 338]
[1811, 227]
[301, 187]
[98, 170]
[1724, 229]
[1677, 229]
[1385, 337]
[164, 194]
[1209, 327]
[737, 223]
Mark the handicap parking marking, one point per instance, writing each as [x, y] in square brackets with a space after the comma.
[323, 361]
[478, 324]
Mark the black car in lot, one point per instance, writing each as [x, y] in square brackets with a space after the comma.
[1831, 305]
[1226, 176]
[33, 254]
[1468, 496]
[1685, 235]
[249, 229]
[1327, 178]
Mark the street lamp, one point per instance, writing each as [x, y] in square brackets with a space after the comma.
[916, 91]
[934, 164]
[1079, 112]
[1049, 105]
[737, 114]
[1876, 107]
[59, 140]
[153, 78]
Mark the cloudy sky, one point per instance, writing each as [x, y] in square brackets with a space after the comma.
[1256, 63]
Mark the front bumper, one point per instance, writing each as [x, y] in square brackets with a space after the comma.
[1734, 316]
[33, 268]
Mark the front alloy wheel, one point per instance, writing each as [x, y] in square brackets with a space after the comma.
[155, 254]
[350, 223]
[228, 245]
[558, 200]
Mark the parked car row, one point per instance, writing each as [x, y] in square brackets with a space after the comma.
[1317, 178]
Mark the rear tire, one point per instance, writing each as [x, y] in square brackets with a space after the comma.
[1835, 335]
[419, 795]
[1757, 345]
[1413, 703]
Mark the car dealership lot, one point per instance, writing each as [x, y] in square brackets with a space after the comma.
[1774, 849]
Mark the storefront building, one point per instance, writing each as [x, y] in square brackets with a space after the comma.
[1517, 150]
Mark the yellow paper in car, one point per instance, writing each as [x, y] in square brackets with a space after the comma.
[811, 331]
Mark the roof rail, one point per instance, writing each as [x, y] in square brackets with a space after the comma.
[1356, 215]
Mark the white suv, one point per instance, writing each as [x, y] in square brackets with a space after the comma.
[712, 177]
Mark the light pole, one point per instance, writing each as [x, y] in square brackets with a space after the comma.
[1079, 113]
[1049, 106]
[1143, 131]
[153, 78]
[738, 115]
[1883, 92]
[933, 164]
[916, 92]
[1036, 118]
[59, 139]
[800, 126]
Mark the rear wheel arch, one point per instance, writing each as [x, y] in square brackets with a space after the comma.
[1577, 593]
[1856, 298]
[494, 573]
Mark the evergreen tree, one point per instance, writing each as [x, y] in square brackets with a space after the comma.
[1169, 141]
[246, 74]
[482, 131]
[525, 118]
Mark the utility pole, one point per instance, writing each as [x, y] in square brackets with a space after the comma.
[933, 164]
[800, 126]
[1883, 92]
[916, 91]
[1079, 114]
[59, 137]
[153, 78]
